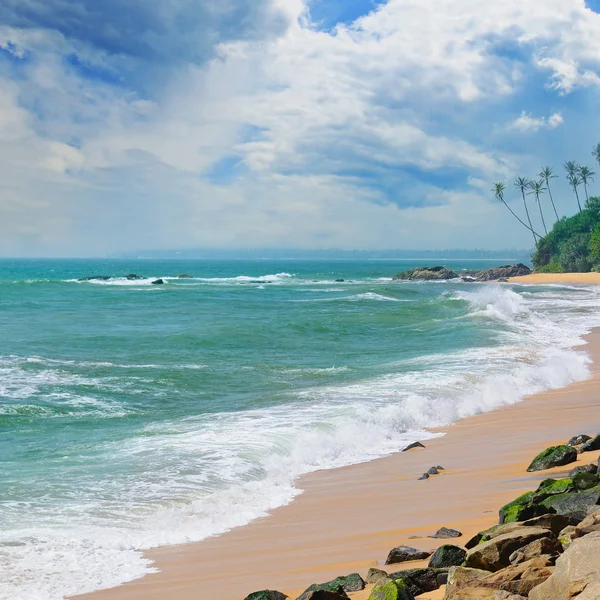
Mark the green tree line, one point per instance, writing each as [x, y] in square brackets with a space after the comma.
[573, 243]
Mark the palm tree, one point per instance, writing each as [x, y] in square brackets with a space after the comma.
[498, 190]
[547, 173]
[572, 169]
[537, 188]
[522, 184]
[586, 174]
[596, 153]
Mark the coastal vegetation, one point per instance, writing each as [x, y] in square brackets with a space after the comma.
[568, 244]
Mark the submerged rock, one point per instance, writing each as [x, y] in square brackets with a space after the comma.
[427, 274]
[96, 278]
[133, 277]
[447, 556]
[184, 276]
[158, 282]
[405, 554]
[266, 595]
[555, 456]
[413, 446]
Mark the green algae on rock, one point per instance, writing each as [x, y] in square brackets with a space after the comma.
[555, 456]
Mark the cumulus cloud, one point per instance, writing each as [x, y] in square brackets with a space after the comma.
[187, 123]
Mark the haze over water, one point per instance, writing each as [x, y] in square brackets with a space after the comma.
[134, 415]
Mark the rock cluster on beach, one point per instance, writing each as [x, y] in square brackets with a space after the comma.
[442, 273]
[545, 547]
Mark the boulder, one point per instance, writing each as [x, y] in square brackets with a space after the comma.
[549, 548]
[521, 509]
[576, 570]
[413, 446]
[444, 533]
[433, 471]
[158, 282]
[483, 594]
[494, 554]
[591, 445]
[405, 554]
[555, 523]
[391, 590]
[590, 524]
[96, 278]
[325, 595]
[552, 487]
[592, 469]
[567, 535]
[349, 583]
[518, 579]
[447, 556]
[133, 277]
[184, 276]
[504, 272]
[427, 274]
[578, 440]
[424, 476]
[555, 456]
[576, 505]
[374, 575]
[266, 595]
[420, 581]
[460, 578]
[585, 481]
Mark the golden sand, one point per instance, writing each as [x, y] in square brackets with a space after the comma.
[348, 519]
[558, 278]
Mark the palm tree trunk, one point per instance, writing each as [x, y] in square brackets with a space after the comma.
[577, 196]
[587, 198]
[552, 199]
[516, 216]
[528, 217]
[542, 214]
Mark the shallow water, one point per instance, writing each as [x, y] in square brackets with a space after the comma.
[134, 415]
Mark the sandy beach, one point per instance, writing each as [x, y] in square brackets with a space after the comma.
[558, 278]
[348, 519]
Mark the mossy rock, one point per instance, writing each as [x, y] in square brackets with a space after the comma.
[585, 481]
[517, 510]
[555, 456]
[573, 504]
[447, 556]
[391, 590]
[349, 583]
[266, 595]
[552, 487]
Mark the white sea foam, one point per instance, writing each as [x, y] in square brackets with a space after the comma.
[215, 472]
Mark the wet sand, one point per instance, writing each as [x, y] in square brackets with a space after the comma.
[558, 278]
[348, 519]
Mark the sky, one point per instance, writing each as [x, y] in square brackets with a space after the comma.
[145, 124]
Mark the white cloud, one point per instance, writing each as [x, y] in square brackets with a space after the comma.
[527, 123]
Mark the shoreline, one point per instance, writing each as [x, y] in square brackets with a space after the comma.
[558, 278]
[347, 519]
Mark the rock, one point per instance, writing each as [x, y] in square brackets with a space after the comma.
[266, 595]
[391, 590]
[576, 570]
[520, 509]
[591, 445]
[96, 278]
[518, 579]
[339, 281]
[578, 440]
[555, 456]
[504, 273]
[433, 471]
[349, 583]
[133, 277]
[444, 533]
[324, 595]
[554, 523]
[590, 524]
[405, 554]
[413, 446]
[549, 548]
[427, 274]
[567, 535]
[552, 487]
[585, 481]
[494, 554]
[184, 276]
[576, 505]
[424, 476]
[447, 556]
[592, 469]
[440, 468]
[460, 578]
[374, 575]
[158, 282]
[483, 594]
[419, 581]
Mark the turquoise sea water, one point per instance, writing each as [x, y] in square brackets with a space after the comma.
[134, 415]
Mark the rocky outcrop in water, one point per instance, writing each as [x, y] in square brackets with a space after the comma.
[497, 273]
[427, 274]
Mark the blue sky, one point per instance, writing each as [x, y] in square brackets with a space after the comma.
[132, 124]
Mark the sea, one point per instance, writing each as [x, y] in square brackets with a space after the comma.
[135, 415]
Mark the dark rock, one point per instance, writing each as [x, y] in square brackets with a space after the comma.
[339, 281]
[391, 590]
[348, 583]
[444, 533]
[447, 556]
[413, 446]
[427, 274]
[504, 272]
[578, 440]
[133, 277]
[502, 280]
[554, 523]
[184, 276]
[158, 282]
[324, 595]
[574, 504]
[419, 581]
[424, 476]
[440, 468]
[555, 456]
[96, 278]
[592, 469]
[374, 575]
[266, 595]
[474, 541]
[521, 509]
[552, 487]
[405, 554]
[585, 481]
[591, 445]
[494, 554]
[442, 578]
[433, 471]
